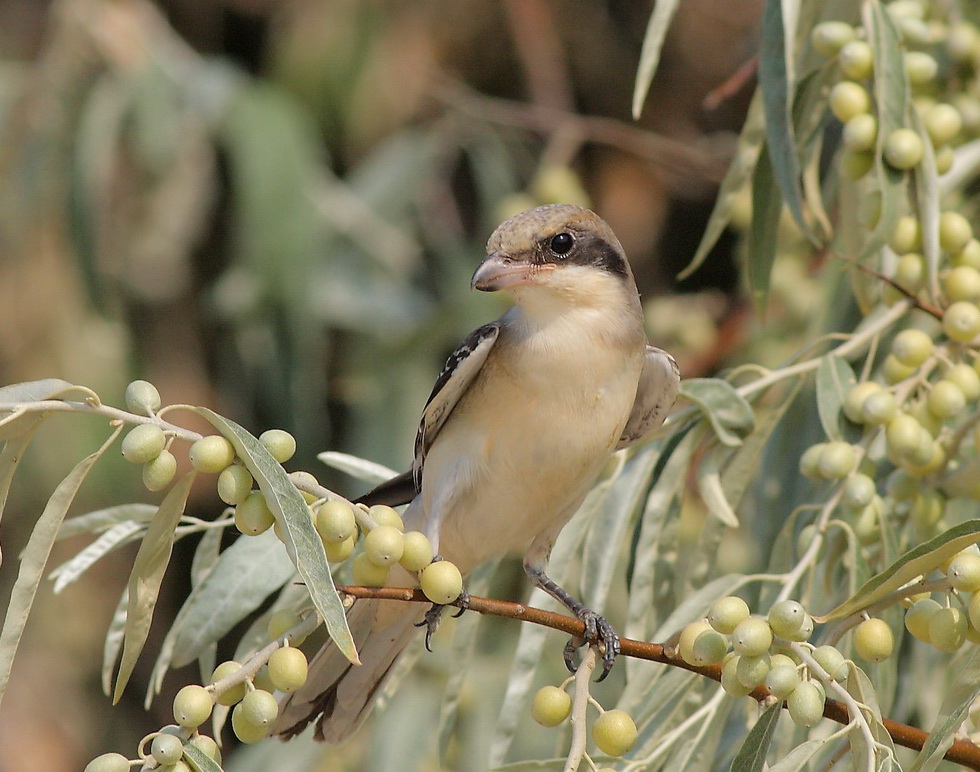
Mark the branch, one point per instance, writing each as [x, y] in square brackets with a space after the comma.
[961, 752]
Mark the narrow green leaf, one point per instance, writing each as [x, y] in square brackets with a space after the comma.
[711, 490]
[113, 642]
[751, 757]
[70, 571]
[35, 391]
[731, 417]
[247, 573]
[358, 468]
[891, 99]
[16, 424]
[302, 541]
[653, 41]
[147, 576]
[744, 161]
[198, 760]
[10, 458]
[777, 81]
[914, 563]
[767, 207]
[835, 377]
[34, 557]
[962, 692]
[928, 198]
[798, 758]
[103, 519]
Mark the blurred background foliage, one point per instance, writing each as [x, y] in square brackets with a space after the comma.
[274, 208]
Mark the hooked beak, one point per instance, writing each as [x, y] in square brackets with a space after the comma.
[498, 272]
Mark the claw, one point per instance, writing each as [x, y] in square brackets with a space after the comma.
[463, 601]
[434, 615]
[597, 630]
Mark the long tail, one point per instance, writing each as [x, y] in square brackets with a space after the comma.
[338, 696]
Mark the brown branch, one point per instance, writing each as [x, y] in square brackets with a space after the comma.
[961, 752]
[913, 297]
[680, 159]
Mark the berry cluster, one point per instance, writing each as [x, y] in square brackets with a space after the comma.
[613, 732]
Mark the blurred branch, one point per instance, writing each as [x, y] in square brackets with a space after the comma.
[678, 159]
[960, 752]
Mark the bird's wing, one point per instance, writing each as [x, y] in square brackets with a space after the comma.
[456, 376]
[655, 395]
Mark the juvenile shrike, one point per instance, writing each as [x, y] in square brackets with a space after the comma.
[519, 425]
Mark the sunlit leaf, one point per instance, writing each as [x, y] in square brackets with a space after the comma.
[711, 490]
[751, 757]
[834, 380]
[147, 576]
[730, 415]
[103, 519]
[358, 468]
[245, 575]
[653, 41]
[302, 541]
[914, 563]
[34, 557]
[70, 571]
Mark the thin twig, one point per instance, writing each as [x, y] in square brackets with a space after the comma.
[580, 708]
[961, 752]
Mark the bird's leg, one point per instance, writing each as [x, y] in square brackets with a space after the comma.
[597, 629]
[434, 615]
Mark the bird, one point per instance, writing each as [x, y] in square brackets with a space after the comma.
[519, 425]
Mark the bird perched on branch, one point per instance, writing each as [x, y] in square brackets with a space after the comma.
[518, 427]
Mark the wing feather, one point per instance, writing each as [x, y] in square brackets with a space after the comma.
[655, 395]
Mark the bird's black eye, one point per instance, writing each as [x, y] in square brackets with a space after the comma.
[561, 243]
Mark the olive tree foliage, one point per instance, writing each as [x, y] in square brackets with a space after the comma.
[849, 469]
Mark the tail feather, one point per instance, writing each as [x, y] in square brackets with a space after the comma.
[338, 695]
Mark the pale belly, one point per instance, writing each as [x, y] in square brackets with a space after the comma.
[496, 482]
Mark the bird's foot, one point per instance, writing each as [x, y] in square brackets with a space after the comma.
[434, 616]
[598, 631]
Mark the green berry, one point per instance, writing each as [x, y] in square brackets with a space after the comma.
[441, 582]
[339, 552]
[551, 706]
[236, 693]
[973, 610]
[829, 37]
[726, 613]
[384, 545]
[927, 509]
[966, 378]
[902, 435]
[159, 472]
[192, 706]
[335, 521]
[207, 746]
[945, 156]
[947, 629]
[903, 149]
[943, 122]
[253, 515]
[969, 255]
[805, 704]
[856, 60]
[847, 99]
[782, 680]
[417, 552]
[234, 484]
[246, 731]
[729, 678]
[211, 454]
[383, 515]
[367, 573]
[861, 133]
[962, 41]
[108, 762]
[283, 621]
[955, 231]
[962, 283]
[259, 708]
[751, 637]
[854, 401]
[859, 491]
[142, 398]
[912, 347]
[945, 399]
[614, 732]
[918, 616]
[288, 669]
[166, 749]
[910, 273]
[280, 444]
[143, 443]
[964, 572]
[786, 618]
[873, 640]
[832, 661]
[752, 671]
[810, 460]
[894, 371]
[961, 321]
[907, 236]
[688, 636]
[920, 67]
[837, 459]
[855, 164]
[710, 648]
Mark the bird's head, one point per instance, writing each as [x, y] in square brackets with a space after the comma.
[558, 252]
